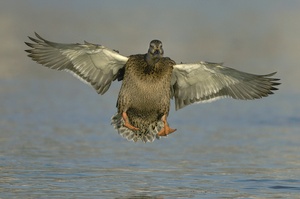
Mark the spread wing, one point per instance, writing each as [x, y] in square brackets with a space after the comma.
[203, 82]
[94, 64]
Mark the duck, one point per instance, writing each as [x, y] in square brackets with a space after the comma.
[149, 82]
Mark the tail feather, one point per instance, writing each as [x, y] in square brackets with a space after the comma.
[145, 135]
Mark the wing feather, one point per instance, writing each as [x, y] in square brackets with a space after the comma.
[92, 63]
[204, 82]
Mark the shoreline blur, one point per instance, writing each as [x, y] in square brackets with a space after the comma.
[255, 37]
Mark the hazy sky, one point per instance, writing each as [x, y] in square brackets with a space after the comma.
[257, 36]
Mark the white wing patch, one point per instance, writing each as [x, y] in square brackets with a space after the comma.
[206, 82]
[93, 64]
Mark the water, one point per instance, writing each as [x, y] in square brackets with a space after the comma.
[56, 142]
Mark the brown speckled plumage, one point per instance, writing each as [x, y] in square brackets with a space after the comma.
[145, 92]
[149, 82]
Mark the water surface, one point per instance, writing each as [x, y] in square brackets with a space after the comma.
[56, 142]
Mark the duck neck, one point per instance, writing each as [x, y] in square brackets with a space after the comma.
[151, 60]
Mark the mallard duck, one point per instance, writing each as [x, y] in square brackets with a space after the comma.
[149, 82]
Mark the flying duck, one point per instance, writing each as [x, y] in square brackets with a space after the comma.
[149, 82]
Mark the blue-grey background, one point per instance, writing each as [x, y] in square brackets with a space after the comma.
[56, 140]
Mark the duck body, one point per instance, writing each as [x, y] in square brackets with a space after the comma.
[145, 96]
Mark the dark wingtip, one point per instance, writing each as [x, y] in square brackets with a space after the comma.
[41, 39]
[274, 89]
[28, 51]
[276, 83]
[86, 42]
[34, 39]
[38, 36]
[273, 81]
[271, 74]
[29, 44]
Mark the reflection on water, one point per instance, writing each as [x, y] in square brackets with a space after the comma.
[56, 142]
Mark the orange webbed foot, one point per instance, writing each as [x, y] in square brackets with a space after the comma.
[167, 129]
[127, 123]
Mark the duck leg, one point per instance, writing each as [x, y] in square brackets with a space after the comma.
[166, 130]
[127, 123]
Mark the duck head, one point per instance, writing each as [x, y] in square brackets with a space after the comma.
[155, 52]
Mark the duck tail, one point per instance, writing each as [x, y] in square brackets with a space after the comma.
[145, 135]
